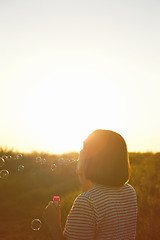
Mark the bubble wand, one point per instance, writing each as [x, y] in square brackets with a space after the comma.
[56, 200]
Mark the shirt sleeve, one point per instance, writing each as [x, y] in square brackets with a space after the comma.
[81, 222]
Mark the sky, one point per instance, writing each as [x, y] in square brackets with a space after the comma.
[70, 67]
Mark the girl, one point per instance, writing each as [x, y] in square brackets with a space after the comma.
[107, 208]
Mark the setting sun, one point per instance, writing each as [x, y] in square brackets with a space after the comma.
[68, 68]
[59, 115]
[64, 75]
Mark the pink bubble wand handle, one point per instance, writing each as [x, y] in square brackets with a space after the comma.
[56, 200]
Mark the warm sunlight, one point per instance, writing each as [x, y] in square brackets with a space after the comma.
[72, 67]
[68, 68]
[58, 118]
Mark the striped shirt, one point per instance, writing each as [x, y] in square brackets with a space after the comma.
[103, 213]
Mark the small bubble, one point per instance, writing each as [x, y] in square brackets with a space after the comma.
[4, 174]
[2, 162]
[67, 161]
[4, 157]
[71, 160]
[61, 161]
[53, 167]
[36, 224]
[19, 156]
[20, 168]
[38, 159]
[43, 161]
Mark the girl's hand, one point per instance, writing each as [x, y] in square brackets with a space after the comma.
[52, 219]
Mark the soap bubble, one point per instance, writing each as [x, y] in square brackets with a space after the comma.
[36, 224]
[38, 159]
[1, 162]
[61, 161]
[19, 156]
[20, 168]
[43, 161]
[72, 160]
[4, 174]
[4, 157]
[67, 160]
[53, 167]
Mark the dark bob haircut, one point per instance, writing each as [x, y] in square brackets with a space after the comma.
[106, 159]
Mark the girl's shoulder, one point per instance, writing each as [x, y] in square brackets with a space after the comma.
[129, 188]
[102, 191]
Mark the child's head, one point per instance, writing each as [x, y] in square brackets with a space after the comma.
[104, 158]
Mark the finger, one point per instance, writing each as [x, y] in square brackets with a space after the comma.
[49, 204]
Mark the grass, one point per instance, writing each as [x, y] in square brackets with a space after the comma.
[25, 194]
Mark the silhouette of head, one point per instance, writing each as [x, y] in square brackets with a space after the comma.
[104, 158]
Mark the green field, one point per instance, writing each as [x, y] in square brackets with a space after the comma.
[24, 195]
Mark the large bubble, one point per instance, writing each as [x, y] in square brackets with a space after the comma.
[4, 174]
[36, 224]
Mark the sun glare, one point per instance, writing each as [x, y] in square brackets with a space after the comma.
[60, 116]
